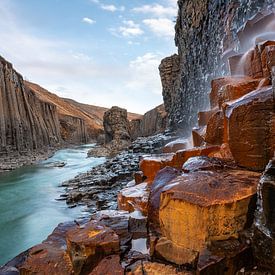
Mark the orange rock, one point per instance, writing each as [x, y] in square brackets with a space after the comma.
[109, 266]
[233, 91]
[268, 59]
[214, 133]
[175, 145]
[203, 117]
[218, 83]
[204, 206]
[183, 155]
[134, 198]
[152, 268]
[223, 153]
[51, 256]
[151, 165]
[162, 178]
[198, 135]
[251, 129]
[165, 249]
[87, 245]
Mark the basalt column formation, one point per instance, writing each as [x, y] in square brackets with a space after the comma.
[26, 123]
[206, 35]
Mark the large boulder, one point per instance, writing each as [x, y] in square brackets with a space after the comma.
[251, 129]
[87, 245]
[205, 206]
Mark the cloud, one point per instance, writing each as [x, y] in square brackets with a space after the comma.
[129, 29]
[144, 74]
[162, 27]
[157, 10]
[88, 20]
[111, 8]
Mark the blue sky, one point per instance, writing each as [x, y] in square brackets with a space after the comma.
[101, 52]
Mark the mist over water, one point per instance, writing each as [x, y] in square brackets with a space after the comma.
[29, 210]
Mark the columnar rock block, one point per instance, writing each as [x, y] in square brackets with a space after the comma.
[204, 206]
[214, 133]
[151, 165]
[87, 245]
[198, 136]
[134, 198]
[203, 117]
[230, 88]
[251, 129]
[162, 178]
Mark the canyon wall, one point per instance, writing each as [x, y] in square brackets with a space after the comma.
[152, 122]
[26, 123]
[206, 34]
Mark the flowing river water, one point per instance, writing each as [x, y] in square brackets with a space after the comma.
[29, 210]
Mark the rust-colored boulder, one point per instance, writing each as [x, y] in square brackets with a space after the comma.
[50, 257]
[134, 198]
[152, 268]
[162, 178]
[214, 133]
[223, 153]
[88, 244]
[203, 117]
[218, 83]
[198, 136]
[183, 155]
[174, 146]
[251, 129]
[109, 266]
[204, 206]
[151, 165]
[231, 88]
[166, 249]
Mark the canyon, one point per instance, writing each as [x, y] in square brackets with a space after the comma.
[188, 188]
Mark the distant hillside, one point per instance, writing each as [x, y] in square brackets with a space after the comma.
[91, 115]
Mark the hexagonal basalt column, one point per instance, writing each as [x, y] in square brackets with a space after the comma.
[204, 206]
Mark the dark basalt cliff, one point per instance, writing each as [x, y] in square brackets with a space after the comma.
[151, 123]
[206, 34]
[26, 123]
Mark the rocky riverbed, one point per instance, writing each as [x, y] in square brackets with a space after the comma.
[98, 188]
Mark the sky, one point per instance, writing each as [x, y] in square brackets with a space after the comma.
[99, 52]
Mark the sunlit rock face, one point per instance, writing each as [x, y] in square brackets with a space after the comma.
[88, 245]
[264, 232]
[204, 206]
[251, 129]
[26, 122]
[205, 39]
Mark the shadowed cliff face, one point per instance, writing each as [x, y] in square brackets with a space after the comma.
[206, 34]
[26, 123]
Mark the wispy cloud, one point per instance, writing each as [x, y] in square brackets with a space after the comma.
[144, 75]
[162, 27]
[157, 10]
[108, 7]
[128, 29]
[88, 20]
